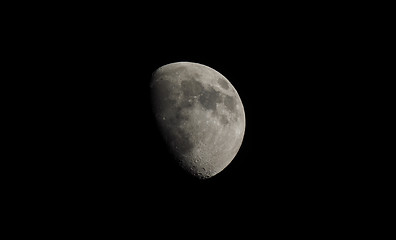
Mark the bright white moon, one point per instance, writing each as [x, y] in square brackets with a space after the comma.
[200, 115]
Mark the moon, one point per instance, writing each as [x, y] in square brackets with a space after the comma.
[200, 116]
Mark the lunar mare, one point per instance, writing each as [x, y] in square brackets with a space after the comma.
[200, 116]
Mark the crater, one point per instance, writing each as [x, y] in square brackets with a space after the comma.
[223, 119]
[185, 103]
[223, 83]
[210, 98]
[191, 88]
[230, 103]
[179, 69]
[185, 72]
[177, 118]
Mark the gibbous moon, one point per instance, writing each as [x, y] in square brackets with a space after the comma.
[200, 116]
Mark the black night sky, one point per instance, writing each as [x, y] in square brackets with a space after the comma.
[291, 154]
[291, 75]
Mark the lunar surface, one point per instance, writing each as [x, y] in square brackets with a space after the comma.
[200, 115]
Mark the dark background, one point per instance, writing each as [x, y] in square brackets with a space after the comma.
[102, 158]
